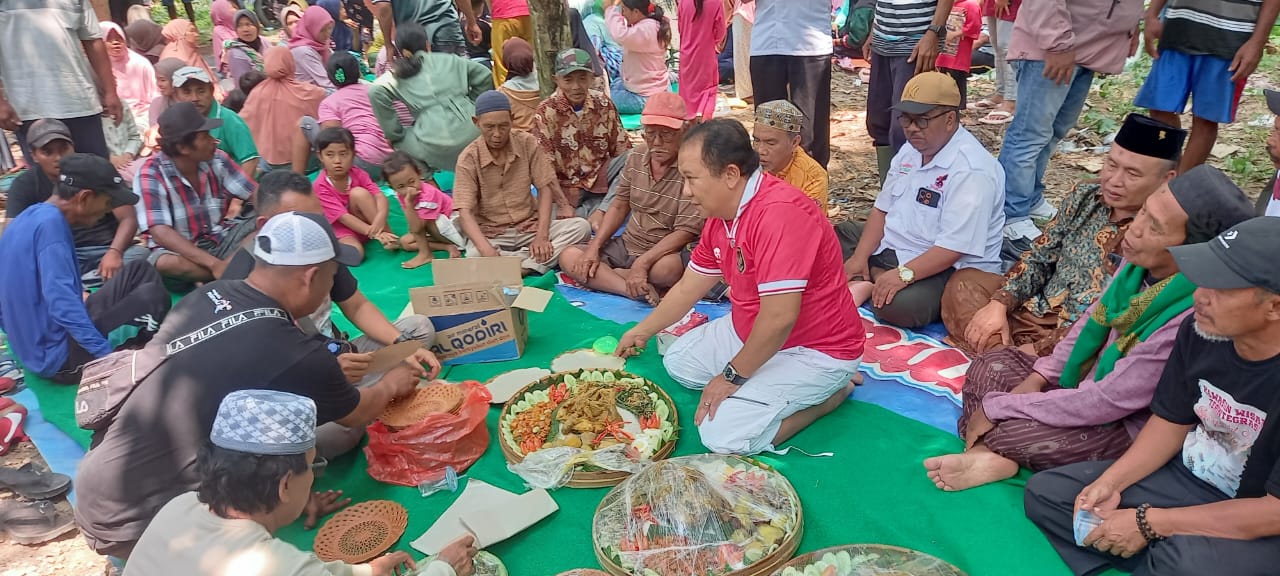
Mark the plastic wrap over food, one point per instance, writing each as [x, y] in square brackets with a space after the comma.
[868, 560]
[552, 468]
[707, 514]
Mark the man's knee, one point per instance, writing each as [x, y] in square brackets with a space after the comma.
[683, 365]
[1051, 491]
[667, 271]
[134, 253]
[573, 230]
[906, 313]
[333, 439]
[417, 327]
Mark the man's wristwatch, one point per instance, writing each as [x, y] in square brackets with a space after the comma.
[907, 275]
[941, 31]
[731, 374]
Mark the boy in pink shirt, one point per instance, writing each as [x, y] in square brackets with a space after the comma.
[427, 211]
[964, 25]
[353, 204]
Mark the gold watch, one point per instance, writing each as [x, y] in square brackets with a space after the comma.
[907, 275]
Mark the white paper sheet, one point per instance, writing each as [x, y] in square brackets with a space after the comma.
[480, 498]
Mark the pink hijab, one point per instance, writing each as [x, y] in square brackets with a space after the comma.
[223, 14]
[135, 77]
[180, 45]
[308, 30]
[275, 107]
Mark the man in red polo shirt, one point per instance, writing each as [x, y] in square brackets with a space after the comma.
[785, 355]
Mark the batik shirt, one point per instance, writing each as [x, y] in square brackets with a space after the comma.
[1069, 265]
[580, 143]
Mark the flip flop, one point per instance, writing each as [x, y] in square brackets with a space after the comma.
[33, 522]
[32, 485]
[996, 118]
[984, 104]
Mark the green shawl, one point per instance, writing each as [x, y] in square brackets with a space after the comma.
[1129, 310]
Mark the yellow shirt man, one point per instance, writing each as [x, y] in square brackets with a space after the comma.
[777, 140]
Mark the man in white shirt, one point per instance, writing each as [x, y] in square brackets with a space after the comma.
[54, 64]
[256, 475]
[940, 210]
[1269, 199]
[791, 60]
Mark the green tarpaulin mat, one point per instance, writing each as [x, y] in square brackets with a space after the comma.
[873, 490]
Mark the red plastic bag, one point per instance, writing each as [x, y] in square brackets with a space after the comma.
[419, 453]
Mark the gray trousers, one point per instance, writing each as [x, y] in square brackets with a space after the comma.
[334, 439]
[1050, 501]
[912, 307]
[591, 201]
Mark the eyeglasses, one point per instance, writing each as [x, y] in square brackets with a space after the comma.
[658, 135]
[319, 465]
[921, 122]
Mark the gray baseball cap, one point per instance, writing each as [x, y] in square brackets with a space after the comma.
[45, 131]
[1241, 257]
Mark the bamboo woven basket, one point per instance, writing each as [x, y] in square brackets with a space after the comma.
[767, 565]
[588, 479]
[945, 568]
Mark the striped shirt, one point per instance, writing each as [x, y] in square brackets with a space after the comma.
[657, 206]
[1213, 27]
[899, 25]
[196, 212]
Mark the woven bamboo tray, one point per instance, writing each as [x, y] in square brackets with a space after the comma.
[588, 479]
[936, 566]
[361, 532]
[771, 562]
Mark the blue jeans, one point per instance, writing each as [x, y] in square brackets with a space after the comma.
[89, 257]
[1046, 112]
[626, 101]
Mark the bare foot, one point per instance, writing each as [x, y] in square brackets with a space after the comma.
[857, 379]
[955, 472]
[651, 295]
[391, 245]
[417, 261]
[454, 252]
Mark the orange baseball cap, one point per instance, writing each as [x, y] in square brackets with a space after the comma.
[664, 109]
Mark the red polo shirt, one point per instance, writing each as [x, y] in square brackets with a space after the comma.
[780, 243]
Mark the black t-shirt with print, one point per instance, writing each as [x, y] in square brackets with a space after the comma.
[344, 282]
[225, 336]
[1234, 446]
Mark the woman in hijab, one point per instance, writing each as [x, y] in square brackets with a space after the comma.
[243, 52]
[341, 32]
[521, 86]
[275, 109]
[223, 15]
[439, 89]
[182, 39]
[348, 107]
[289, 17]
[145, 37]
[164, 86]
[135, 77]
[310, 46]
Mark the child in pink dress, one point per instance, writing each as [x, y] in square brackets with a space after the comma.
[427, 211]
[353, 204]
[702, 32]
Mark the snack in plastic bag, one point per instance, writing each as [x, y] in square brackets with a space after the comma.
[421, 453]
[868, 560]
[553, 468]
[707, 514]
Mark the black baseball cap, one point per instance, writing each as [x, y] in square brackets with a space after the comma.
[1273, 100]
[183, 118]
[1241, 257]
[89, 171]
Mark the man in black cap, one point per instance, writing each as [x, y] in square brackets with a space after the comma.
[1269, 199]
[192, 197]
[1199, 490]
[103, 247]
[1089, 398]
[53, 328]
[1033, 304]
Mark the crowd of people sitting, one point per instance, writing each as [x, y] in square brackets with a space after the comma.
[1123, 350]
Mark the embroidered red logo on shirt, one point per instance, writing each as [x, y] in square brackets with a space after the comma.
[937, 184]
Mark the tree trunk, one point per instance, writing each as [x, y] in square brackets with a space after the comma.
[550, 36]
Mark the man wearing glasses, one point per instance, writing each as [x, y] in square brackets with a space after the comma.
[940, 210]
[650, 256]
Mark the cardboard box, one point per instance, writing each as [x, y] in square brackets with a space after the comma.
[478, 307]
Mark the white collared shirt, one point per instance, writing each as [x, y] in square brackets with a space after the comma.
[1273, 205]
[956, 201]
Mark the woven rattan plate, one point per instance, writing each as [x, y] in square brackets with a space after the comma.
[427, 400]
[361, 532]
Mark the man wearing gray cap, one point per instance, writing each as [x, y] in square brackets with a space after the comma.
[193, 84]
[1199, 490]
[103, 247]
[1088, 398]
[255, 477]
[52, 326]
[496, 211]
[228, 335]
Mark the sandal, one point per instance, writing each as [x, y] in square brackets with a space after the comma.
[997, 117]
[33, 522]
[32, 485]
[984, 104]
[12, 417]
